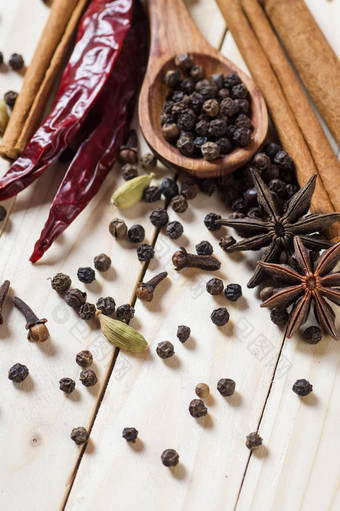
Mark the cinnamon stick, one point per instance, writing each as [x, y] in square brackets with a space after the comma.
[323, 155]
[40, 75]
[280, 112]
[312, 56]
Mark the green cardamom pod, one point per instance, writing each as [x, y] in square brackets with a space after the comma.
[4, 117]
[121, 335]
[131, 192]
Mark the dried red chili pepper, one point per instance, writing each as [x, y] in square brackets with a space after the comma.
[100, 37]
[109, 121]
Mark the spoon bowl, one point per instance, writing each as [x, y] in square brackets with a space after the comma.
[180, 35]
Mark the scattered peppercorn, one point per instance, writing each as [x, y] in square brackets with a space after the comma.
[10, 98]
[220, 316]
[204, 248]
[16, 61]
[283, 160]
[226, 387]
[189, 189]
[102, 262]
[136, 233]
[233, 292]
[170, 458]
[84, 358]
[179, 203]
[148, 161]
[174, 230]
[3, 213]
[226, 242]
[86, 275]
[79, 435]
[210, 221]
[145, 252]
[253, 441]
[88, 377]
[18, 373]
[118, 228]
[152, 194]
[129, 171]
[214, 286]
[125, 312]
[87, 311]
[197, 408]
[165, 349]
[279, 316]
[75, 298]
[67, 385]
[107, 305]
[202, 390]
[183, 333]
[169, 188]
[261, 160]
[130, 434]
[302, 387]
[312, 335]
[159, 217]
[61, 282]
[1, 58]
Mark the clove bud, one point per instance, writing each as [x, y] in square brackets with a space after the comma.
[37, 330]
[182, 259]
[145, 290]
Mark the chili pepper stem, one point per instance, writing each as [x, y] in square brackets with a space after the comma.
[3, 293]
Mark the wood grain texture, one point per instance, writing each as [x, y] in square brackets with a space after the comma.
[176, 35]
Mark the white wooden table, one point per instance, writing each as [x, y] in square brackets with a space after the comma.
[41, 469]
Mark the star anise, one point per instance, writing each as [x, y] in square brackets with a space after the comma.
[306, 285]
[278, 230]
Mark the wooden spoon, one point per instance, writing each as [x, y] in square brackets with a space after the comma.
[173, 32]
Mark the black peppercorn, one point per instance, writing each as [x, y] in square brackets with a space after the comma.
[239, 91]
[291, 190]
[231, 79]
[10, 98]
[211, 150]
[1, 58]
[148, 161]
[18, 373]
[118, 228]
[253, 441]
[224, 144]
[183, 61]
[79, 435]
[196, 73]
[250, 197]
[130, 434]
[204, 248]
[61, 282]
[233, 292]
[152, 194]
[165, 349]
[211, 107]
[226, 242]
[125, 312]
[228, 107]
[86, 275]
[277, 186]
[107, 305]
[243, 121]
[261, 160]
[84, 358]
[226, 387]
[210, 221]
[16, 61]
[208, 186]
[88, 377]
[170, 131]
[3, 213]
[185, 145]
[145, 252]
[174, 230]
[183, 333]
[87, 311]
[75, 298]
[129, 171]
[217, 128]
[242, 136]
[272, 149]
[169, 458]
[220, 316]
[283, 160]
[179, 203]
[239, 205]
[189, 189]
[302, 387]
[169, 188]
[242, 105]
[214, 286]
[186, 85]
[172, 78]
[279, 316]
[202, 390]
[102, 262]
[177, 96]
[312, 335]
[197, 408]
[186, 121]
[136, 233]
[202, 128]
[67, 385]
[223, 93]
[159, 217]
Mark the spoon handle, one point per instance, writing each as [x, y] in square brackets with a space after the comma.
[172, 29]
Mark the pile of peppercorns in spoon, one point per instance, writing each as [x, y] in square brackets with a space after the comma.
[205, 117]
